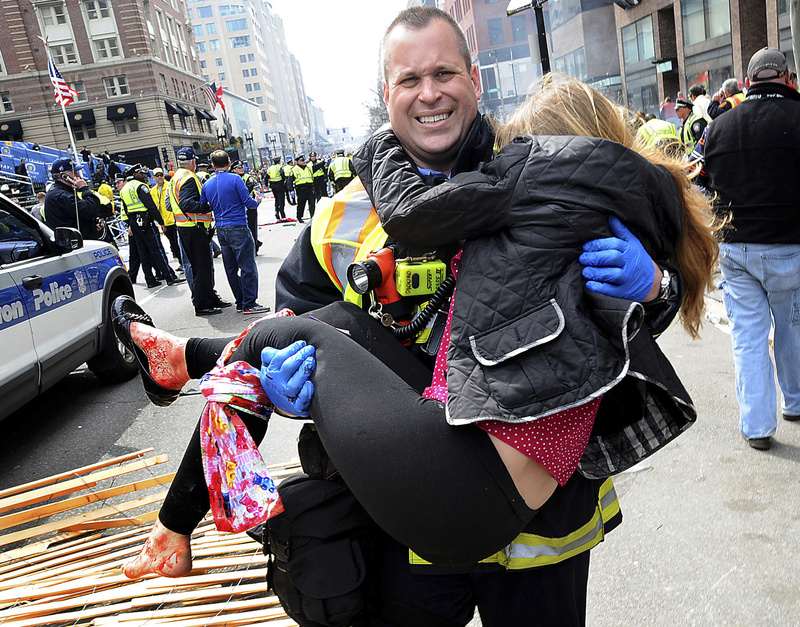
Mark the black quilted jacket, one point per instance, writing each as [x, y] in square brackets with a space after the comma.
[527, 339]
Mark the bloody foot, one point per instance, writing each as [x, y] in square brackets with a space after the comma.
[166, 355]
[165, 553]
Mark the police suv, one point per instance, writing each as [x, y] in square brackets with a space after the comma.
[55, 297]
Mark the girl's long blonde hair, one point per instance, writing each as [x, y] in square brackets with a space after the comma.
[565, 106]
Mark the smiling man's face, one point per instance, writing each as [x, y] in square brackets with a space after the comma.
[431, 95]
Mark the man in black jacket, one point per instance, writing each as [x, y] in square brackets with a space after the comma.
[752, 160]
[70, 202]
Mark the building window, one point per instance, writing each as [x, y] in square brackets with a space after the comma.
[221, 76]
[256, 86]
[495, 27]
[84, 132]
[65, 53]
[231, 26]
[53, 15]
[202, 64]
[572, 64]
[198, 30]
[253, 72]
[201, 47]
[213, 45]
[5, 102]
[218, 61]
[519, 27]
[232, 9]
[246, 73]
[80, 89]
[704, 19]
[242, 58]
[248, 87]
[97, 9]
[259, 100]
[211, 29]
[251, 57]
[164, 87]
[124, 127]
[107, 48]
[242, 41]
[263, 116]
[204, 13]
[637, 41]
[116, 86]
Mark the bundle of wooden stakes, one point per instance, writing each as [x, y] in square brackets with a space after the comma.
[65, 538]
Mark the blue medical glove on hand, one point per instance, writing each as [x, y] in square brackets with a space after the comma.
[618, 266]
[284, 376]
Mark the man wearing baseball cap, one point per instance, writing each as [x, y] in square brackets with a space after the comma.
[693, 125]
[70, 202]
[752, 156]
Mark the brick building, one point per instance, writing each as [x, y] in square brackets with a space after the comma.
[132, 62]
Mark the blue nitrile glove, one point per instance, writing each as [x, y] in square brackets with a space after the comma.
[618, 266]
[284, 376]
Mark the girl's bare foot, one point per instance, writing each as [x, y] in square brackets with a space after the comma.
[165, 553]
[166, 355]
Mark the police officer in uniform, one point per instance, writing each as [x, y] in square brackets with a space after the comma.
[202, 171]
[70, 202]
[304, 186]
[143, 214]
[289, 179]
[341, 170]
[277, 183]
[320, 176]
[693, 125]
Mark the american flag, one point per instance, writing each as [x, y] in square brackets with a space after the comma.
[211, 93]
[64, 94]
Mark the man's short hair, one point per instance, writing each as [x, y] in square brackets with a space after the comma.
[697, 90]
[419, 17]
[220, 159]
[731, 86]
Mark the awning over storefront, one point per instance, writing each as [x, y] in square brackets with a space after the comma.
[10, 128]
[172, 109]
[203, 115]
[185, 111]
[122, 111]
[79, 118]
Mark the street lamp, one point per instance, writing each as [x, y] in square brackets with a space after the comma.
[221, 136]
[273, 138]
[248, 137]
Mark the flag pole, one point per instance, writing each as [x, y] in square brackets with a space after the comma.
[63, 108]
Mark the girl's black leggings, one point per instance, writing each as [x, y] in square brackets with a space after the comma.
[441, 490]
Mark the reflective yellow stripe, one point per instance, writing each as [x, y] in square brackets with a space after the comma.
[340, 168]
[530, 550]
[129, 195]
[345, 229]
[275, 173]
[182, 219]
[302, 176]
[655, 131]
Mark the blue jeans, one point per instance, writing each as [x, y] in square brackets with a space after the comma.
[239, 259]
[762, 289]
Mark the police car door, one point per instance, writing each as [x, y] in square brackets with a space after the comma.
[19, 366]
[59, 305]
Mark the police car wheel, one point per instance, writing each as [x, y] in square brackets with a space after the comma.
[124, 361]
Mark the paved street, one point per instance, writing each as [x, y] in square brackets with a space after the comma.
[710, 529]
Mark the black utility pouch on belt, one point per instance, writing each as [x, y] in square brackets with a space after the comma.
[319, 550]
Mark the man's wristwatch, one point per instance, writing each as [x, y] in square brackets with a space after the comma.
[664, 286]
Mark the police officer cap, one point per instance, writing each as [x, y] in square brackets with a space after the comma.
[312, 154]
[276, 159]
[300, 158]
[340, 152]
[682, 102]
[62, 164]
[202, 164]
[185, 154]
[136, 169]
[237, 164]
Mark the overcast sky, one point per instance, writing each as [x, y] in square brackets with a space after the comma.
[325, 35]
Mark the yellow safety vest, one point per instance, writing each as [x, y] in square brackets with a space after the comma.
[340, 167]
[735, 100]
[185, 219]
[686, 132]
[287, 170]
[345, 229]
[655, 131]
[318, 172]
[202, 176]
[247, 177]
[105, 190]
[130, 197]
[303, 176]
[275, 173]
[159, 195]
